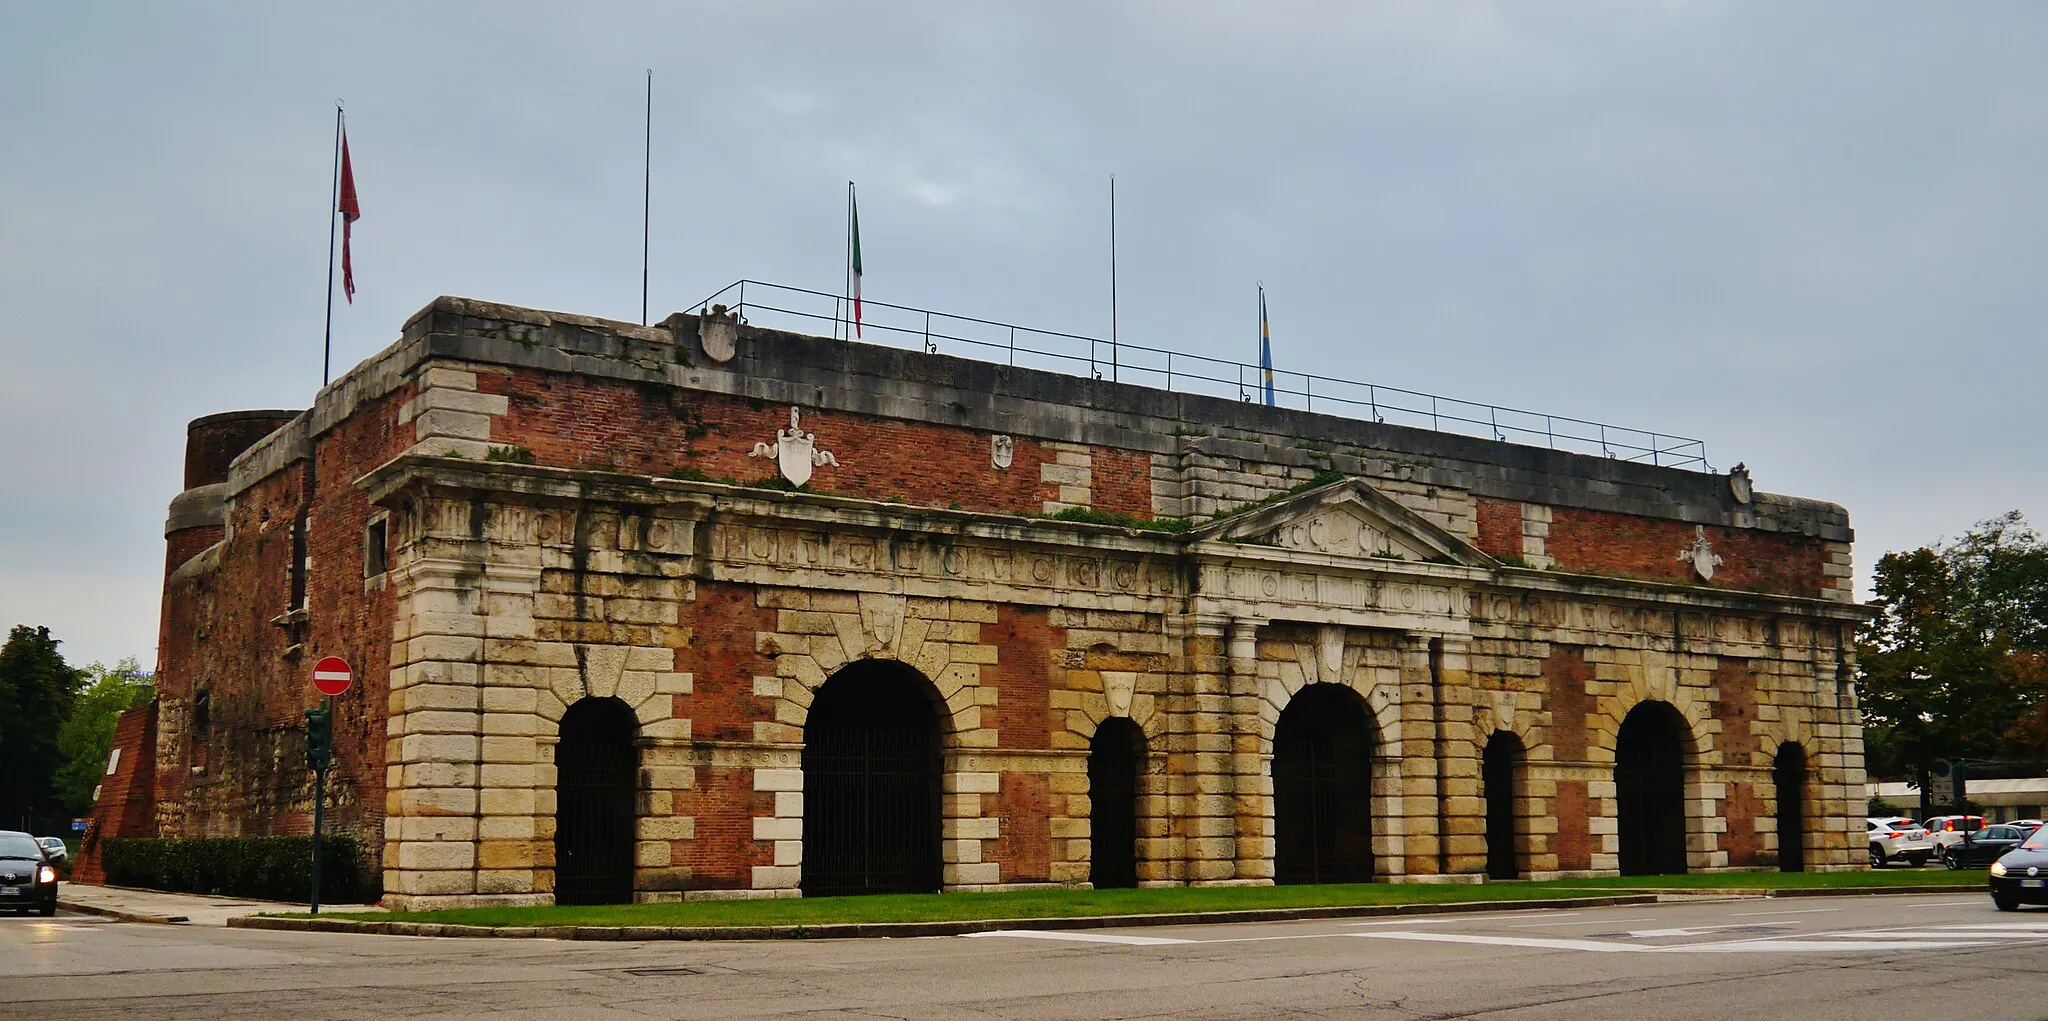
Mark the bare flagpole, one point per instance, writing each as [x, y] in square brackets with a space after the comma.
[646, 194]
[333, 207]
[1112, 279]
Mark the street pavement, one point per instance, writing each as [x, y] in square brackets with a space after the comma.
[1805, 958]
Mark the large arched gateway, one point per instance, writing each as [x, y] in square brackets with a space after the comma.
[1649, 790]
[1115, 758]
[1789, 772]
[872, 767]
[1322, 788]
[595, 766]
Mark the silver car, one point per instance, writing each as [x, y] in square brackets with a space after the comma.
[1897, 838]
[54, 849]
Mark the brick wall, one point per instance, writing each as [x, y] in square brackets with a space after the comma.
[1500, 527]
[126, 806]
[1574, 840]
[1601, 542]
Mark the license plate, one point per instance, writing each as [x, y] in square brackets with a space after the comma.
[2034, 884]
[10, 891]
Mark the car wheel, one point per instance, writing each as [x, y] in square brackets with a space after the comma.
[1876, 856]
[1918, 860]
[1954, 863]
[2006, 903]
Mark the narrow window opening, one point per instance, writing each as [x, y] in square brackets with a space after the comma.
[376, 556]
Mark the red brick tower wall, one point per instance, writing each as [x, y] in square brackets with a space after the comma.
[127, 796]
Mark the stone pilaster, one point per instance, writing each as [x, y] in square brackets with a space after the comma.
[1413, 787]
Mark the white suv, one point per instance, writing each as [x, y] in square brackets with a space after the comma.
[1896, 837]
[1948, 830]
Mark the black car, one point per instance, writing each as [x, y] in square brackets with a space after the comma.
[28, 882]
[1982, 847]
[2021, 876]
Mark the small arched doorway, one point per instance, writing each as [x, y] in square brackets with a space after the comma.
[1322, 788]
[596, 764]
[1500, 776]
[1789, 773]
[1649, 790]
[872, 768]
[1115, 758]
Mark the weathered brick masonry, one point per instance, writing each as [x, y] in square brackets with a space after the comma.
[515, 523]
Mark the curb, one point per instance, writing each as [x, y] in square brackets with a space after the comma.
[1876, 890]
[119, 915]
[872, 930]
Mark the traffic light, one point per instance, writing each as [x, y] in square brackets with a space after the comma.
[319, 738]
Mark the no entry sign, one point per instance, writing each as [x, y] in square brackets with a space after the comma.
[332, 675]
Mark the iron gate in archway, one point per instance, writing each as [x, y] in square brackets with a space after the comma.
[596, 764]
[1322, 788]
[1789, 772]
[1497, 774]
[1115, 757]
[1649, 790]
[872, 767]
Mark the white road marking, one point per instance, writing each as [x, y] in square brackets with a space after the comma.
[1808, 946]
[1084, 937]
[1589, 921]
[1417, 921]
[1806, 911]
[1700, 930]
[1533, 942]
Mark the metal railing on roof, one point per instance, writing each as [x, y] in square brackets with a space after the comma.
[806, 311]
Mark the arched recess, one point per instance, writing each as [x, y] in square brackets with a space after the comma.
[1500, 774]
[1116, 757]
[1322, 787]
[596, 766]
[872, 767]
[1789, 773]
[1649, 790]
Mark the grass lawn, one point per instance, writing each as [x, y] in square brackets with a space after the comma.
[1081, 903]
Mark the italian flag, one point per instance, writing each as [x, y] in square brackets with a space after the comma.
[854, 264]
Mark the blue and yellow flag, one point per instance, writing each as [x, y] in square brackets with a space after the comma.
[1265, 348]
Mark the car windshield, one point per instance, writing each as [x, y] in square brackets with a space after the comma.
[1907, 825]
[19, 847]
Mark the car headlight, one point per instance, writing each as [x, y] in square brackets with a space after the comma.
[1998, 868]
[46, 875]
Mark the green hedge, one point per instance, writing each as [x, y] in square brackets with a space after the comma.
[267, 868]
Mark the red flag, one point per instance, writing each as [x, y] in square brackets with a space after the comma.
[350, 212]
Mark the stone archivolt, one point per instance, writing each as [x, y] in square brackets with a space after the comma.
[522, 590]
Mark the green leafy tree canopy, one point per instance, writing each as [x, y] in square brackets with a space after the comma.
[87, 735]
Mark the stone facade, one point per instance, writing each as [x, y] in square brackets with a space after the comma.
[512, 513]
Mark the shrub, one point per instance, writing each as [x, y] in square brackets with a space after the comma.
[268, 868]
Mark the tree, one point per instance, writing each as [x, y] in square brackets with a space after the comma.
[1952, 666]
[88, 733]
[36, 692]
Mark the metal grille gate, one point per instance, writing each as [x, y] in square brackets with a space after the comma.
[1497, 774]
[595, 767]
[1322, 789]
[1790, 770]
[1114, 759]
[872, 768]
[1649, 791]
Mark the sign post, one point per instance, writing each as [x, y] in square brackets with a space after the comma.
[332, 676]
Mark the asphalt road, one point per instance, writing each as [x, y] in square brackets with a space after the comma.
[1944, 955]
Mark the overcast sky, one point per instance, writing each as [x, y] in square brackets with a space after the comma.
[1811, 235]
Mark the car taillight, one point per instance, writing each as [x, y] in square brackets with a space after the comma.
[1895, 835]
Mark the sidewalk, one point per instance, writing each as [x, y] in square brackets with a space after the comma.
[131, 905]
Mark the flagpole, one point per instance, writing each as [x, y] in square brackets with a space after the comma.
[846, 288]
[646, 194]
[333, 207]
[1112, 280]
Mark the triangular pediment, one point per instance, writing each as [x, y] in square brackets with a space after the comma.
[1346, 518]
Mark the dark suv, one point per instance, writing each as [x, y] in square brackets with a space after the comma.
[27, 879]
